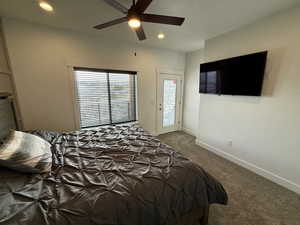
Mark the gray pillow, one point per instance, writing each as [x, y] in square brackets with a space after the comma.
[26, 153]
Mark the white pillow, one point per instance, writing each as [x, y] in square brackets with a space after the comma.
[26, 153]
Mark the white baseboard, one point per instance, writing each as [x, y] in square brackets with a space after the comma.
[267, 174]
[188, 131]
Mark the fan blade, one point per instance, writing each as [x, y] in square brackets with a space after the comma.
[140, 33]
[111, 23]
[171, 20]
[140, 6]
[117, 6]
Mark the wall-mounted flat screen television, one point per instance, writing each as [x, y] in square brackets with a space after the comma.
[241, 75]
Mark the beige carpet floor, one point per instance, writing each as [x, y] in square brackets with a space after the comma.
[253, 200]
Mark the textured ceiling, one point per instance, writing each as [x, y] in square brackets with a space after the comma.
[204, 18]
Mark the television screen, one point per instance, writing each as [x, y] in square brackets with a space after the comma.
[241, 75]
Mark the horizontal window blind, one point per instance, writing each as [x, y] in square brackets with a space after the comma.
[105, 97]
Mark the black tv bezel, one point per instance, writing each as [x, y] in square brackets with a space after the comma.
[232, 58]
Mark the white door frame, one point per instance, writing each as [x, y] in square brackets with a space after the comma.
[180, 74]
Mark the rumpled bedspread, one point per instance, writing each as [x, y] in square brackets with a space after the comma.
[114, 175]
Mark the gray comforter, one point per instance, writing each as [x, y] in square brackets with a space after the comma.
[117, 175]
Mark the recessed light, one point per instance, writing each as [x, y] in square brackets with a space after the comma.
[46, 6]
[160, 36]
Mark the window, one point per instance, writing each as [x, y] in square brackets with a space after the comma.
[105, 96]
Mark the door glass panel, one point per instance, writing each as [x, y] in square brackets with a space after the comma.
[169, 103]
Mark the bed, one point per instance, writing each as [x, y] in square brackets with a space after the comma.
[113, 175]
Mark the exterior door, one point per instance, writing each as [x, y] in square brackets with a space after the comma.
[168, 103]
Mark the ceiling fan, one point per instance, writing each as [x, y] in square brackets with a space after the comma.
[135, 15]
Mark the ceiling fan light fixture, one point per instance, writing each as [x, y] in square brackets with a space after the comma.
[135, 15]
[134, 23]
[46, 6]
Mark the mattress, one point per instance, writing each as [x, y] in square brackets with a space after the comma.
[114, 175]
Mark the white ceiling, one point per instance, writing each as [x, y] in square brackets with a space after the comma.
[204, 18]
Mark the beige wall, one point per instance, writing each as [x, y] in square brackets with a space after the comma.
[264, 130]
[5, 83]
[191, 92]
[40, 55]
